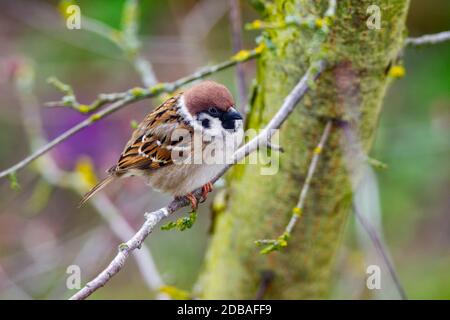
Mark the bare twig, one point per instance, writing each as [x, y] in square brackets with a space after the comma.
[356, 159]
[331, 10]
[267, 277]
[125, 249]
[126, 39]
[70, 100]
[278, 119]
[311, 170]
[127, 98]
[428, 39]
[281, 241]
[43, 17]
[122, 229]
[194, 27]
[102, 29]
[371, 231]
[42, 150]
[145, 69]
[153, 218]
[236, 37]
[130, 26]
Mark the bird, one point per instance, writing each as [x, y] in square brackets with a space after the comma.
[162, 149]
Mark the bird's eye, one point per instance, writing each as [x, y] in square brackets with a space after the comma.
[213, 111]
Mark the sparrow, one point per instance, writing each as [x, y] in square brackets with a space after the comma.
[179, 146]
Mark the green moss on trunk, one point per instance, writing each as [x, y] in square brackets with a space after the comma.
[260, 206]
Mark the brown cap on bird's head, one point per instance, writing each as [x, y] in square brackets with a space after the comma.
[208, 94]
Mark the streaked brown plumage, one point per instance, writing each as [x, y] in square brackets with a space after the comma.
[148, 153]
[144, 140]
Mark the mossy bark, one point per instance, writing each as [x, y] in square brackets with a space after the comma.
[259, 207]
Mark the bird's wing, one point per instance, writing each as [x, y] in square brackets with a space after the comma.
[151, 145]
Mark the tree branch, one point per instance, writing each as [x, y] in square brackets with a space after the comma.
[356, 159]
[281, 241]
[126, 39]
[371, 231]
[428, 39]
[153, 218]
[128, 97]
[311, 170]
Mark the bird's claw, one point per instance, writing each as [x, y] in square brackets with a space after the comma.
[207, 188]
[193, 200]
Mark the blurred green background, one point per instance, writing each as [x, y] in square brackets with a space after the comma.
[42, 232]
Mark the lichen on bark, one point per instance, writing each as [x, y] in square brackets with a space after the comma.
[351, 89]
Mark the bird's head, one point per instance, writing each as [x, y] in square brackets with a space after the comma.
[212, 106]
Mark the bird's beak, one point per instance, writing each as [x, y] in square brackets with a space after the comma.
[232, 114]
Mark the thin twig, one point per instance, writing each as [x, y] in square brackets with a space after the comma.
[311, 170]
[145, 69]
[132, 45]
[286, 109]
[236, 37]
[267, 277]
[281, 241]
[125, 249]
[355, 159]
[101, 29]
[194, 27]
[428, 39]
[153, 218]
[126, 39]
[127, 98]
[381, 251]
[122, 229]
[70, 100]
[85, 123]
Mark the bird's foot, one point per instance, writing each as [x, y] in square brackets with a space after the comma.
[207, 188]
[193, 200]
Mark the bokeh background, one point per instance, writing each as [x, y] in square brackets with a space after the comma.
[41, 230]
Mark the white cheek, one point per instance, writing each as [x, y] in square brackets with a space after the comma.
[215, 127]
[239, 132]
[226, 140]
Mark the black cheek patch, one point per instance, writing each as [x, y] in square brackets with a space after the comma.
[206, 123]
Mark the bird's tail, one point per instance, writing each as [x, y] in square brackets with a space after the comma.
[96, 188]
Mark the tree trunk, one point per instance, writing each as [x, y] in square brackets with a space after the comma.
[258, 206]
